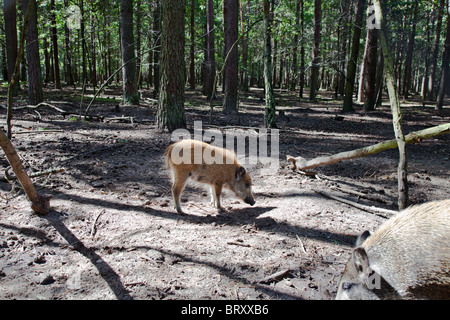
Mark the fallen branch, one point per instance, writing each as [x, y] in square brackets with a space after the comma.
[8, 177]
[414, 137]
[385, 213]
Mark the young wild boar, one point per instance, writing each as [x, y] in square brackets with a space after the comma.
[408, 257]
[210, 165]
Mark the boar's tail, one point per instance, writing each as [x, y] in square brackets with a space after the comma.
[167, 156]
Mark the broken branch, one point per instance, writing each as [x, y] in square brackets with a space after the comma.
[417, 136]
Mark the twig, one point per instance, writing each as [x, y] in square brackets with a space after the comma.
[94, 225]
[275, 277]
[301, 244]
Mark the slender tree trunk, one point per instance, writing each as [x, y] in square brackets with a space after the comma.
[93, 54]
[231, 18]
[10, 17]
[68, 58]
[409, 53]
[445, 70]
[83, 44]
[54, 37]
[39, 204]
[302, 50]
[170, 112]
[396, 112]
[192, 47]
[352, 63]
[431, 91]
[35, 94]
[244, 23]
[130, 90]
[370, 70]
[210, 64]
[346, 18]
[157, 44]
[269, 114]
[138, 44]
[315, 64]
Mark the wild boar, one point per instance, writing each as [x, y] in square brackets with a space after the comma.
[216, 167]
[408, 257]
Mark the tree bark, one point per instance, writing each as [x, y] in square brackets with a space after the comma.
[269, 114]
[130, 90]
[171, 114]
[35, 93]
[210, 63]
[370, 70]
[352, 63]
[396, 112]
[445, 70]
[431, 91]
[39, 204]
[315, 64]
[54, 37]
[409, 53]
[192, 48]
[230, 17]
[10, 17]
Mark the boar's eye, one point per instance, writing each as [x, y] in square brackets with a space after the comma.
[347, 285]
[247, 185]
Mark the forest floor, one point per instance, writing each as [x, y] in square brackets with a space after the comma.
[113, 233]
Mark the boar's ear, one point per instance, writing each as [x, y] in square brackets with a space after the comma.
[362, 238]
[361, 262]
[240, 173]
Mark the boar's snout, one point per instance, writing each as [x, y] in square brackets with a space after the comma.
[249, 201]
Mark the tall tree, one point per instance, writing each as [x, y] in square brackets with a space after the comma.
[315, 64]
[68, 54]
[352, 63]
[10, 16]
[210, 62]
[230, 18]
[35, 94]
[130, 89]
[430, 89]
[157, 46]
[192, 47]
[269, 114]
[369, 70]
[443, 87]
[54, 37]
[302, 50]
[410, 51]
[395, 109]
[171, 114]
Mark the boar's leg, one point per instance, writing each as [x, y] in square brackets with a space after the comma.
[177, 188]
[216, 190]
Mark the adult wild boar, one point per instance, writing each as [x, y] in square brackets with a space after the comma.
[408, 257]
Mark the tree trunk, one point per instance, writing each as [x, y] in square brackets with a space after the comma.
[138, 44]
[39, 204]
[409, 53]
[210, 64]
[130, 90]
[10, 16]
[431, 91]
[157, 45]
[445, 70]
[192, 48]
[302, 50]
[370, 70]
[396, 112]
[230, 17]
[352, 63]
[83, 44]
[68, 60]
[35, 94]
[170, 112]
[54, 37]
[244, 22]
[315, 64]
[269, 114]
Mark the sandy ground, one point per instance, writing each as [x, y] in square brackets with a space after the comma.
[113, 233]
